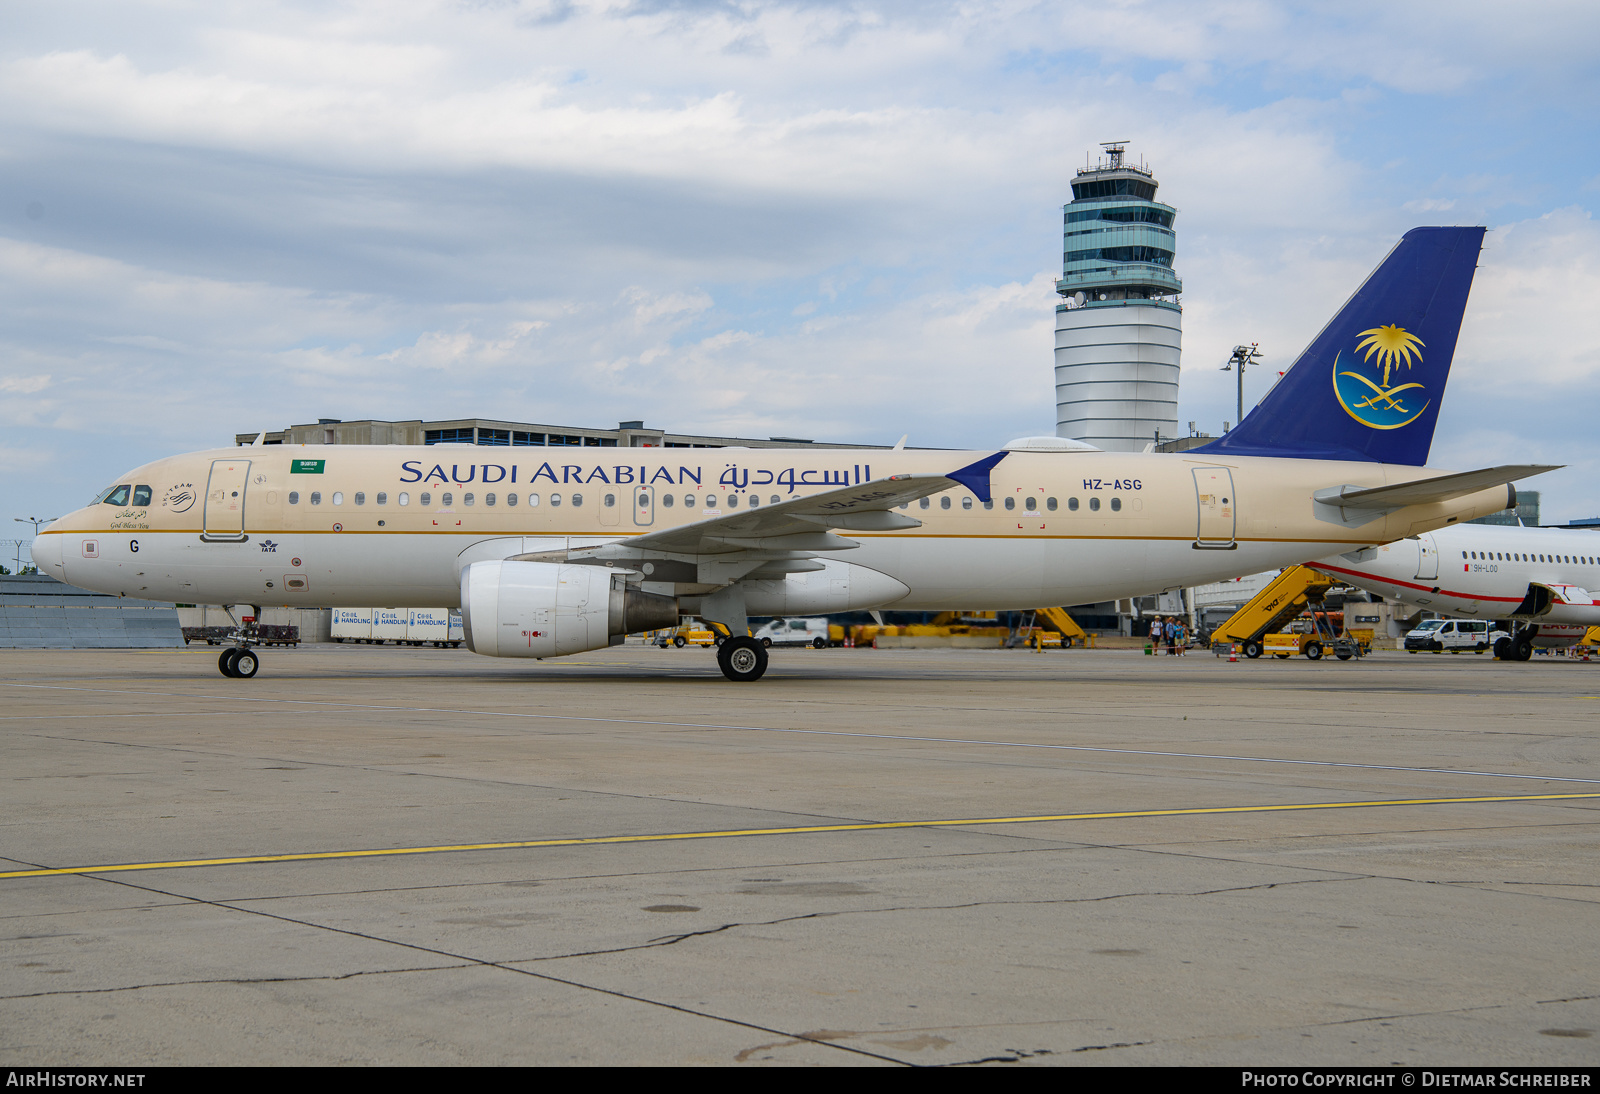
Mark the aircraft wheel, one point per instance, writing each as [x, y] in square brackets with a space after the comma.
[819, 643]
[1502, 649]
[225, 662]
[742, 659]
[679, 641]
[1252, 650]
[1524, 649]
[246, 664]
[1314, 651]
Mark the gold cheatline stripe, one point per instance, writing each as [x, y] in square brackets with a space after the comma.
[866, 827]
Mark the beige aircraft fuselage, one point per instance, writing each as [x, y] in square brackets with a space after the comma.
[315, 526]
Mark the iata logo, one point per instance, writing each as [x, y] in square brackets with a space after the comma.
[1377, 404]
[269, 547]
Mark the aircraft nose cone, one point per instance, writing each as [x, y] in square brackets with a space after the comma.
[46, 553]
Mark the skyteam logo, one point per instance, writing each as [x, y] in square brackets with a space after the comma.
[1374, 402]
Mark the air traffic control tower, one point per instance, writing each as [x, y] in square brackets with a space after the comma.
[1120, 328]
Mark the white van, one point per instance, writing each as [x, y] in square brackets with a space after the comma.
[795, 632]
[1454, 635]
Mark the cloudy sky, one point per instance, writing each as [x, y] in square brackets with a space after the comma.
[830, 220]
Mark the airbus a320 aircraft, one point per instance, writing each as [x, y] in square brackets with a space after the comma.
[1538, 577]
[551, 553]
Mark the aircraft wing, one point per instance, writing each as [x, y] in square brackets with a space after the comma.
[793, 529]
[1423, 491]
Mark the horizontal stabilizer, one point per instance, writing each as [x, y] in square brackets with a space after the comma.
[1424, 491]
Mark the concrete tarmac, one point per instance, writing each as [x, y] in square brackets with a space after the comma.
[1090, 857]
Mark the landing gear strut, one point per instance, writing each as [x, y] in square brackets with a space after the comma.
[742, 658]
[240, 662]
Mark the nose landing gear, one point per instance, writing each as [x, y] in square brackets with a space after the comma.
[239, 663]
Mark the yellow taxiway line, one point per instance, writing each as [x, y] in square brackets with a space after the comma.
[381, 852]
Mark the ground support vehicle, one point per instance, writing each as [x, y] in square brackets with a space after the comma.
[1270, 611]
[1455, 635]
[813, 632]
[687, 636]
[265, 634]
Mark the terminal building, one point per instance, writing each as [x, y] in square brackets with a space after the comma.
[1119, 327]
[494, 432]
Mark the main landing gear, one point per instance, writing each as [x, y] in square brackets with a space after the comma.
[742, 659]
[239, 663]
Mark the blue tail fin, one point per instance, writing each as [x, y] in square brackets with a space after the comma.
[1369, 386]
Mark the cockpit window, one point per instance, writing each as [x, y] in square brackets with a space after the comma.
[117, 495]
[141, 495]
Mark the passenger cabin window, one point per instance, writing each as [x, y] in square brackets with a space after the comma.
[447, 500]
[688, 501]
[1094, 505]
[1011, 503]
[609, 501]
[338, 497]
[755, 501]
[923, 503]
[733, 501]
[511, 499]
[468, 499]
[294, 497]
[383, 498]
[533, 499]
[1030, 505]
[141, 495]
[577, 499]
[966, 503]
[1050, 504]
[944, 503]
[316, 497]
[775, 499]
[361, 497]
[989, 504]
[424, 498]
[1116, 505]
[667, 500]
[404, 498]
[1072, 505]
[488, 499]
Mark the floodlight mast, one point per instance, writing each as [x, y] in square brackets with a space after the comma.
[1242, 356]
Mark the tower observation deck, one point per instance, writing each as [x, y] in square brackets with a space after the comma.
[1119, 328]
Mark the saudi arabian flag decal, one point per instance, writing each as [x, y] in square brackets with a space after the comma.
[307, 467]
[1372, 400]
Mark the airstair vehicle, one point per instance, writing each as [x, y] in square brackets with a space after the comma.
[1274, 607]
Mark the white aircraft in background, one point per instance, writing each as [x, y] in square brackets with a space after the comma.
[557, 552]
[1537, 577]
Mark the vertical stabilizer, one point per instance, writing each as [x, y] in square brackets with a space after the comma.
[1369, 386]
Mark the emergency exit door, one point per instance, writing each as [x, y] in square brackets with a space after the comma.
[1214, 498]
[225, 490]
[1427, 559]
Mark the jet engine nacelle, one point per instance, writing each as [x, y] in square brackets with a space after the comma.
[546, 609]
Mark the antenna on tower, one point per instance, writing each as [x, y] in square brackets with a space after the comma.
[1115, 149]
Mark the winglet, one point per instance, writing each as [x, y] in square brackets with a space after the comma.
[975, 476]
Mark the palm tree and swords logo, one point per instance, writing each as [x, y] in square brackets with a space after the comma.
[1379, 405]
